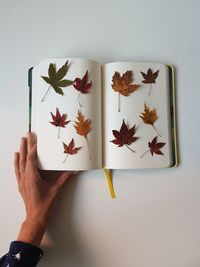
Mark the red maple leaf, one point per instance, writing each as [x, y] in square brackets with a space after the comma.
[82, 85]
[70, 149]
[125, 136]
[154, 147]
[59, 121]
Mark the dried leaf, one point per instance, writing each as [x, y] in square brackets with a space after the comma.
[125, 136]
[149, 116]
[123, 84]
[150, 77]
[82, 84]
[82, 126]
[55, 79]
[71, 149]
[154, 147]
[59, 121]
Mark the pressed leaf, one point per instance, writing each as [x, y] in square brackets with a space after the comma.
[83, 128]
[154, 147]
[82, 84]
[125, 136]
[56, 80]
[123, 84]
[59, 120]
[150, 77]
[149, 116]
[70, 148]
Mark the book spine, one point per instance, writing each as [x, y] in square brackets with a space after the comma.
[30, 72]
[173, 115]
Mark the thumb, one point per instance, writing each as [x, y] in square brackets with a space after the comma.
[61, 179]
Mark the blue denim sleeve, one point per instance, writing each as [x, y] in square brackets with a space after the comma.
[21, 255]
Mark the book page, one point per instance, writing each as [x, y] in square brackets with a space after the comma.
[66, 114]
[136, 116]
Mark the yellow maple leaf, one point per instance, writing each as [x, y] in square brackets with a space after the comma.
[83, 127]
[149, 116]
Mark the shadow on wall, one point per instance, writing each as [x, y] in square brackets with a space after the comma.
[61, 244]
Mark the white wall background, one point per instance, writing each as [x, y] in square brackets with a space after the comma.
[155, 218]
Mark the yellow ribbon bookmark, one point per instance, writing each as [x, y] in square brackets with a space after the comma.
[110, 183]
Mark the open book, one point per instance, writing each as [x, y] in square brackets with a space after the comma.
[87, 116]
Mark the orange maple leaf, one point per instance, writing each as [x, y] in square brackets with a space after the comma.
[83, 127]
[123, 84]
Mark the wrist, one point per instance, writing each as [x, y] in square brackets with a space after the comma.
[32, 231]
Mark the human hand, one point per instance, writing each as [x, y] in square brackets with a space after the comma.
[38, 194]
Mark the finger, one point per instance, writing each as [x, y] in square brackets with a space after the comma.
[31, 140]
[23, 153]
[16, 166]
[32, 159]
[61, 180]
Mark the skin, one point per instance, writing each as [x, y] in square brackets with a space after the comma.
[38, 193]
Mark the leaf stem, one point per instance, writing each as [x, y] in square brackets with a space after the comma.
[58, 132]
[79, 100]
[145, 153]
[45, 96]
[156, 131]
[65, 158]
[88, 149]
[119, 104]
[130, 148]
[149, 89]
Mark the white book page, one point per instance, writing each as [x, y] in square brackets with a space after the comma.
[131, 107]
[50, 138]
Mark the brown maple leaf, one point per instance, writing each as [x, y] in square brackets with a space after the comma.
[154, 147]
[125, 136]
[123, 84]
[83, 127]
[150, 77]
[70, 149]
[58, 120]
[149, 116]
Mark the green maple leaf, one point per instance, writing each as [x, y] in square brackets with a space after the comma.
[55, 79]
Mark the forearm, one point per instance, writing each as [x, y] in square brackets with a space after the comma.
[32, 232]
